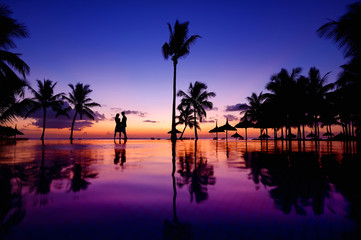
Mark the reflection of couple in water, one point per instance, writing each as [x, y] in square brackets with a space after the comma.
[120, 126]
[120, 155]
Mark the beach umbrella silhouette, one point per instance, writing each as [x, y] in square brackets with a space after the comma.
[9, 131]
[264, 136]
[244, 124]
[216, 130]
[328, 134]
[236, 136]
[227, 127]
[176, 131]
[339, 136]
[311, 135]
[291, 136]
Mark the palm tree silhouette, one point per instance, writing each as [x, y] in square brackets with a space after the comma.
[282, 89]
[316, 91]
[254, 110]
[80, 102]
[345, 31]
[177, 47]
[11, 85]
[186, 117]
[197, 99]
[45, 98]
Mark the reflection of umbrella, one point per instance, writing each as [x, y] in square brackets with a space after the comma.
[226, 127]
[176, 131]
[311, 135]
[244, 124]
[264, 136]
[236, 135]
[216, 130]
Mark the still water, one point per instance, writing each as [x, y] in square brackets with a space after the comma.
[147, 189]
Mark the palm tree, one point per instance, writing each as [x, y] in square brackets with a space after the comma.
[254, 110]
[345, 31]
[177, 47]
[197, 99]
[283, 87]
[80, 102]
[45, 98]
[316, 94]
[12, 86]
[186, 117]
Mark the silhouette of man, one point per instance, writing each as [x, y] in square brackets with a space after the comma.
[124, 125]
[118, 127]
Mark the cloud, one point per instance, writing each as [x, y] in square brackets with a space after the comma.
[150, 121]
[115, 109]
[129, 112]
[231, 117]
[208, 121]
[64, 122]
[138, 113]
[237, 107]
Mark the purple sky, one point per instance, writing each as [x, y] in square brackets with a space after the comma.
[115, 46]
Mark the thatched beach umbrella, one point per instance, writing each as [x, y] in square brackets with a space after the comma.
[216, 130]
[244, 124]
[176, 131]
[290, 136]
[9, 131]
[264, 136]
[328, 134]
[236, 136]
[339, 136]
[311, 135]
[227, 127]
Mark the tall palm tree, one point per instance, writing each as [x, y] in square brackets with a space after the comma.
[80, 102]
[12, 86]
[186, 117]
[177, 47]
[197, 99]
[346, 31]
[45, 98]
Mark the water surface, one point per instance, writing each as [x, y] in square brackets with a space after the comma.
[147, 189]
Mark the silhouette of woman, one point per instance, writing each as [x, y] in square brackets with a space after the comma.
[123, 126]
[118, 127]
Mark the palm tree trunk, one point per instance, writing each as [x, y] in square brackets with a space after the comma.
[195, 125]
[173, 133]
[303, 132]
[181, 136]
[246, 134]
[72, 126]
[44, 117]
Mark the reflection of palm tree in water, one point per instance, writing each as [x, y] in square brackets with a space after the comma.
[199, 178]
[298, 180]
[11, 203]
[175, 229]
[80, 172]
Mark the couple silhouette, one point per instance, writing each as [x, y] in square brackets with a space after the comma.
[120, 126]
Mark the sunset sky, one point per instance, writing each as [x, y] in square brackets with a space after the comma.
[115, 47]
